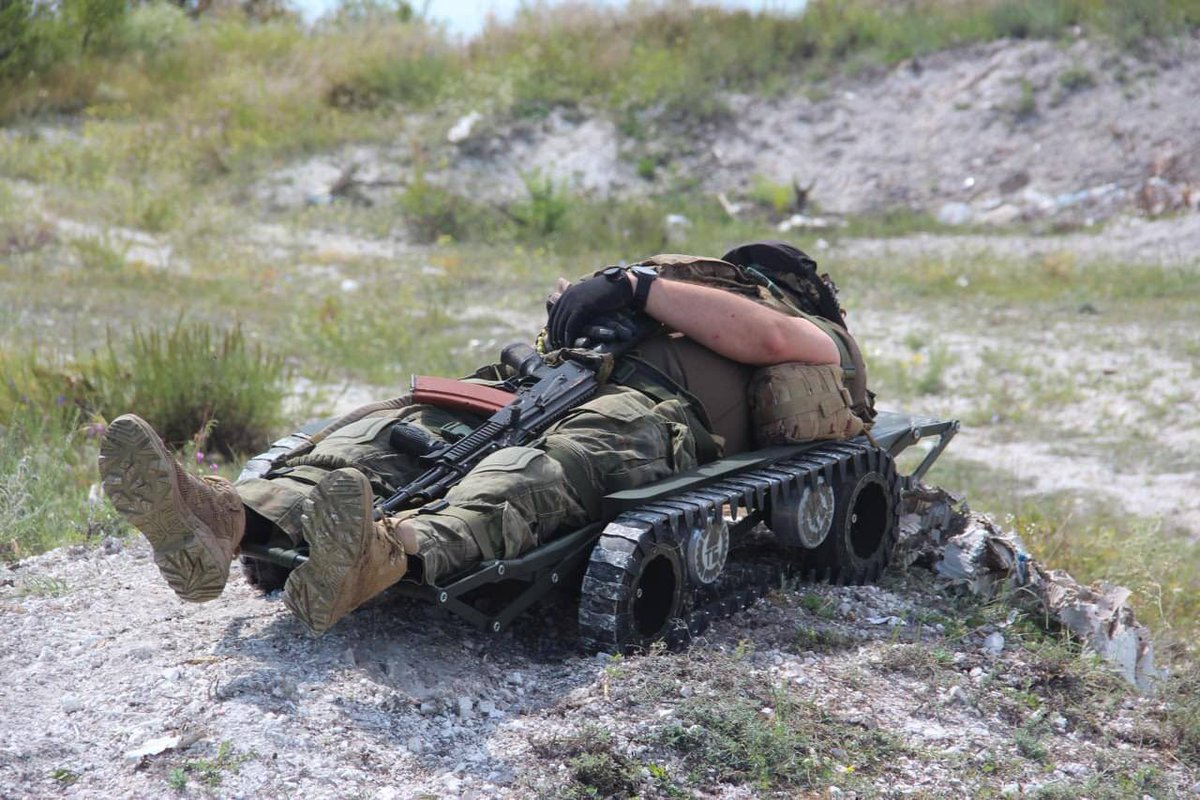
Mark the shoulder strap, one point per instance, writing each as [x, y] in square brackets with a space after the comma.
[637, 374]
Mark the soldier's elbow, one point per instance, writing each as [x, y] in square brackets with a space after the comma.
[797, 343]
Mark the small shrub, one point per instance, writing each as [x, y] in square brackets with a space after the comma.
[189, 376]
[1029, 744]
[1026, 105]
[98, 256]
[47, 463]
[1183, 714]
[153, 28]
[778, 197]
[432, 212]
[1022, 20]
[1076, 78]
[597, 769]
[541, 214]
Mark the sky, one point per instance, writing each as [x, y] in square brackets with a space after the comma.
[465, 17]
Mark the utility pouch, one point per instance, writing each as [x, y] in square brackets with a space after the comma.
[794, 403]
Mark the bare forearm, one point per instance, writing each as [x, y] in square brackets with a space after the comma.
[737, 327]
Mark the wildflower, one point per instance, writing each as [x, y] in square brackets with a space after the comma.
[199, 457]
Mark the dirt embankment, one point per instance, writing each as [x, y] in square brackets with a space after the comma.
[991, 135]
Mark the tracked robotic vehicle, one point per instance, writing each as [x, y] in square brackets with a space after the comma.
[666, 559]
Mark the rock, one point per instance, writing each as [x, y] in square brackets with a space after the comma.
[152, 747]
[517, 679]
[955, 696]
[955, 214]
[676, 227]
[1010, 790]
[70, 703]
[805, 222]
[461, 130]
[416, 745]
[1014, 183]
[993, 644]
[1004, 214]
[464, 707]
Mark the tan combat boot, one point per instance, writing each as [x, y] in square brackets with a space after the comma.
[351, 557]
[193, 523]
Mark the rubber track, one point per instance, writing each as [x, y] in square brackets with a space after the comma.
[614, 560]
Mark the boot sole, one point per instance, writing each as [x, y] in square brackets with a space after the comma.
[138, 476]
[336, 515]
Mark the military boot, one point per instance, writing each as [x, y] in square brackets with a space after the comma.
[351, 557]
[193, 523]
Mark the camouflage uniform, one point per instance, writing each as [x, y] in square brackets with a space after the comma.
[520, 497]
[515, 498]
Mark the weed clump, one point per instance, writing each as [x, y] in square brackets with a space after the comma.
[184, 379]
[596, 768]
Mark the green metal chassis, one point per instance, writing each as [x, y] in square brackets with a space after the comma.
[544, 567]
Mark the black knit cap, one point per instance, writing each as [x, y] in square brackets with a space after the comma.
[775, 259]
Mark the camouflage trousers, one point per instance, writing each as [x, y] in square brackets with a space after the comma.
[514, 499]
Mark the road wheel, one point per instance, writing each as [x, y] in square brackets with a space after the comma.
[866, 512]
[632, 593]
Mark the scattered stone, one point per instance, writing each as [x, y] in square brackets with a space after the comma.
[465, 704]
[955, 214]
[153, 747]
[1003, 214]
[993, 643]
[461, 130]
[955, 696]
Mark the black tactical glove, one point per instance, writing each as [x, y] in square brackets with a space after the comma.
[618, 327]
[581, 304]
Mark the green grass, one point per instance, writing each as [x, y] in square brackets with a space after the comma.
[205, 390]
[740, 729]
[47, 466]
[1056, 281]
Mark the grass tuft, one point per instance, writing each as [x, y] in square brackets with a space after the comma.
[187, 378]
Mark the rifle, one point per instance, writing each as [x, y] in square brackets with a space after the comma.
[553, 392]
